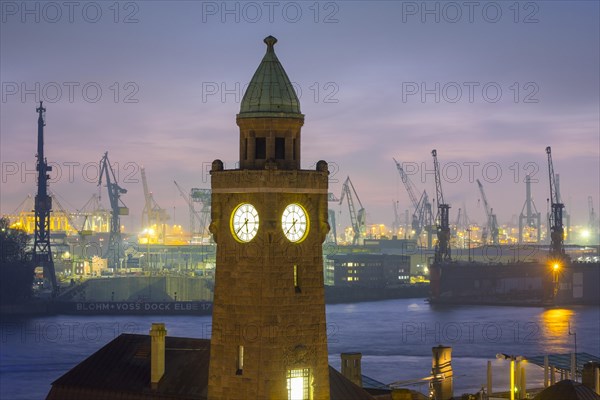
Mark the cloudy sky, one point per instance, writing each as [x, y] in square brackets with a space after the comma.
[158, 84]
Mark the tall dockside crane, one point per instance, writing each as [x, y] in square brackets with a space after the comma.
[194, 216]
[42, 254]
[114, 251]
[529, 214]
[442, 248]
[202, 196]
[557, 251]
[152, 214]
[357, 219]
[492, 222]
[566, 215]
[410, 189]
[332, 234]
[422, 217]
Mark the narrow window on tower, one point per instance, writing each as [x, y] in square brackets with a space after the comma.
[296, 280]
[261, 148]
[280, 148]
[297, 384]
[294, 149]
[246, 149]
[240, 360]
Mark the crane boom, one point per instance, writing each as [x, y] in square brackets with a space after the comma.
[442, 249]
[557, 250]
[152, 214]
[492, 222]
[408, 184]
[193, 213]
[357, 219]
[114, 250]
[420, 213]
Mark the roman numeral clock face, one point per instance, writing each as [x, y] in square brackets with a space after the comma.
[294, 223]
[244, 222]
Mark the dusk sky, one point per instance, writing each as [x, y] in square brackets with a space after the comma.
[487, 84]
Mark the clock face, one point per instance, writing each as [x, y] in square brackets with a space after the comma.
[294, 223]
[244, 222]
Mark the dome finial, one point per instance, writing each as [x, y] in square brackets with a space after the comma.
[270, 41]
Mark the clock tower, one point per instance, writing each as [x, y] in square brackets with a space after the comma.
[269, 220]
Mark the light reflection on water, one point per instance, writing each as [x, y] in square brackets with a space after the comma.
[395, 337]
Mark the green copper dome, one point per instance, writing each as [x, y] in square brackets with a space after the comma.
[270, 92]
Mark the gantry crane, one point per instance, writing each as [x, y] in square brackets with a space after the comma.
[114, 251]
[422, 218]
[529, 216]
[492, 222]
[202, 196]
[442, 248]
[42, 254]
[357, 219]
[557, 251]
[152, 214]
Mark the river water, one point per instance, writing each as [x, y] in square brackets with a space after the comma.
[394, 336]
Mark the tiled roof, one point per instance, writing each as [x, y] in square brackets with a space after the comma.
[121, 371]
[567, 390]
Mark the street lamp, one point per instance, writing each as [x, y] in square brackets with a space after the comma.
[518, 359]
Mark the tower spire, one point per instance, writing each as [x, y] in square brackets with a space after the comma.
[270, 119]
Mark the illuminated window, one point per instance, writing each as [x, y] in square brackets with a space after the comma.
[296, 279]
[240, 360]
[297, 384]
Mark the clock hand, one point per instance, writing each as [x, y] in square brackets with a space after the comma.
[244, 224]
[290, 228]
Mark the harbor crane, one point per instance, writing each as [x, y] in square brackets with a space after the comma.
[357, 218]
[152, 214]
[202, 196]
[42, 254]
[557, 251]
[332, 235]
[417, 225]
[492, 222]
[114, 251]
[194, 216]
[529, 216]
[442, 248]
[422, 218]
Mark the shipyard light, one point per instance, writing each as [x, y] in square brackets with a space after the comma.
[585, 233]
[555, 266]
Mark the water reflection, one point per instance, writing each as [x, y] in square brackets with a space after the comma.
[554, 328]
